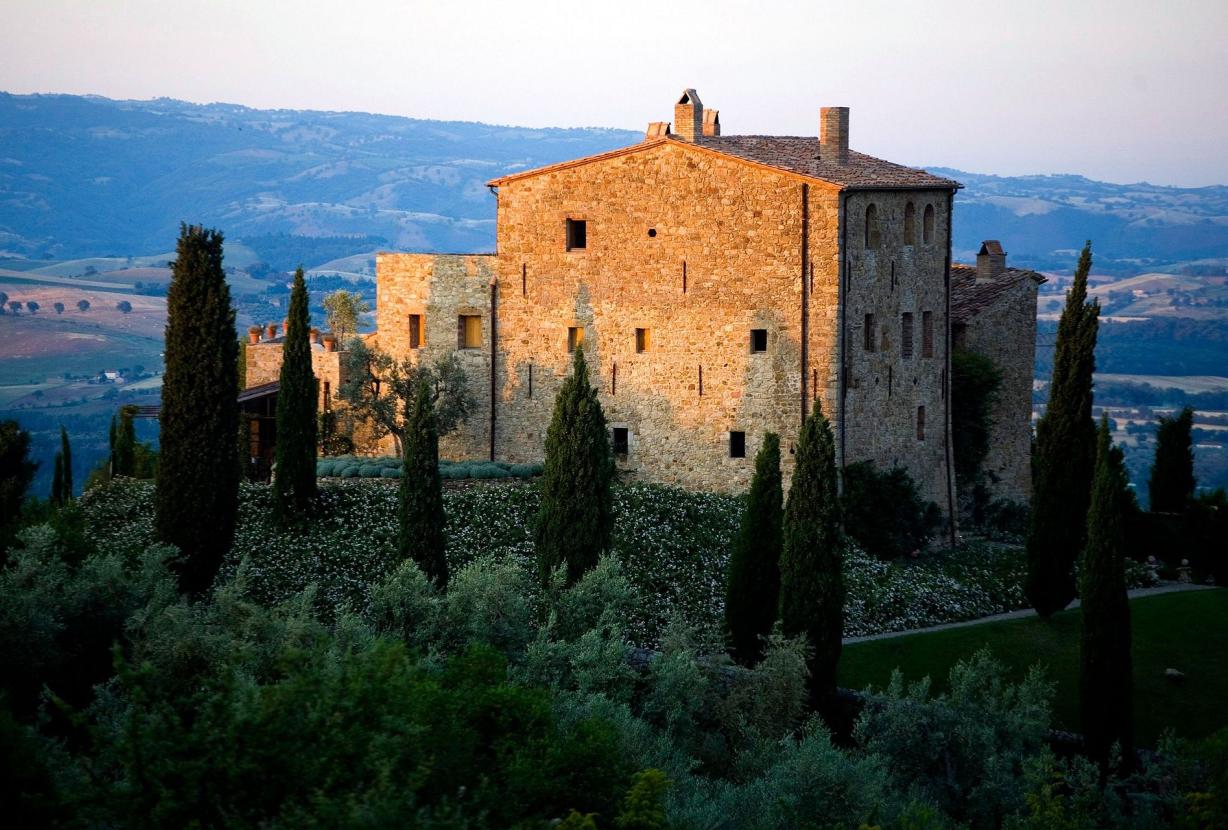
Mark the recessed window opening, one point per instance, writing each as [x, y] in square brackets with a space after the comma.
[868, 335]
[927, 334]
[701, 381]
[613, 378]
[575, 338]
[415, 331]
[530, 381]
[758, 340]
[737, 444]
[652, 233]
[872, 234]
[684, 276]
[469, 331]
[910, 224]
[920, 423]
[906, 335]
[621, 441]
[927, 225]
[524, 280]
[643, 340]
[577, 234]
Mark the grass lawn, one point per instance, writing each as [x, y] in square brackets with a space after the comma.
[1187, 631]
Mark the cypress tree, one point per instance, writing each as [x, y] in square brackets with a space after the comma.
[422, 537]
[294, 485]
[198, 474]
[124, 451]
[1065, 454]
[575, 519]
[1172, 475]
[57, 480]
[752, 593]
[67, 492]
[16, 473]
[811, 579]
[1106, 682]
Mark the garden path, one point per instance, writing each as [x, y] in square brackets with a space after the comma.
[1166, 588]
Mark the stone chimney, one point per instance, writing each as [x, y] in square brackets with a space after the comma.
[712, 122]
[657, 129]
[689, 116]
[834, 134]
[990, 261]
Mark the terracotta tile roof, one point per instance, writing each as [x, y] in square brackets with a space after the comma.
[800, 154]
[969, 298]
[791, 154]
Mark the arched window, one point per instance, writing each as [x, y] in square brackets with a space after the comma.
[927, 225]
[872, 236]
[910, 224]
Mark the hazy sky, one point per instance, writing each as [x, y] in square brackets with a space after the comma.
[1121, 90]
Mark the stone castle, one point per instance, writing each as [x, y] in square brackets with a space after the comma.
[721, 287]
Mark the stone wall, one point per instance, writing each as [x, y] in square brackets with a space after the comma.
[1006, 334]
[885, 389]
[264, 366]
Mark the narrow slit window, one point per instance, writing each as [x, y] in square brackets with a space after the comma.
[920, 423]
[469, 331]
[621, 442]
[415, 331]
[643, 340]
[868, 335]
[906, 335]
[737, 444]
[910, 224]
[575, 338]
[927, 334]
[758, 340]
[577, 234]
[927, 225]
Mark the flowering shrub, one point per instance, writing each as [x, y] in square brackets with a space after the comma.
[673, 546]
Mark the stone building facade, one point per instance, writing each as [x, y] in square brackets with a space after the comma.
[720, 286]
[994, 314]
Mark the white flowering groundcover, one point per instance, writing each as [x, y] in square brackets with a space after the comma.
[673, 544]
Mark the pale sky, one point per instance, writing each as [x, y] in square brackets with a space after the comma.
[1120, 90]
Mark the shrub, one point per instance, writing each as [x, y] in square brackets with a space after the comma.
[884, 512]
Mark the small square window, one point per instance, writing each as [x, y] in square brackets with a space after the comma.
[737, 444]
[575, 338]
[758, 340]
[621, 441]
[643, 340]
[577, 234]
[469, 331]
[415, 331]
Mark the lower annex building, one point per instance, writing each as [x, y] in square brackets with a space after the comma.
[721, 287]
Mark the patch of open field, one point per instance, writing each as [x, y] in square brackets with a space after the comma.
[1189, 383]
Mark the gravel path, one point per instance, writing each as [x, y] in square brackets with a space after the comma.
[1166, 588]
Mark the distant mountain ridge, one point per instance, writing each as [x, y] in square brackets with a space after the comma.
[88, 176]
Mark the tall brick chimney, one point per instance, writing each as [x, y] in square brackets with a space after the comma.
[834, 134]
[712, 122]
[990, 261]
[689, 116]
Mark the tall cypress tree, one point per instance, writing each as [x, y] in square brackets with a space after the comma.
[1065, 454]
[1172, 475]
[1106, 681]
[124, 452]
[67, 492]
[811, 577]
[575, 519]
[198, 474]
[57, 480]
[422, 537]
[294, 485]
[752, 592]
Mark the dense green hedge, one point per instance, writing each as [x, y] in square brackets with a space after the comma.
[350, 466]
